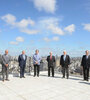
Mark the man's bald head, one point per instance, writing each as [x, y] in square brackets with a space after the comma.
[64, 52]
[36, 51]
[6, 52]
[51, 53]
[23, 52]
[87, 52]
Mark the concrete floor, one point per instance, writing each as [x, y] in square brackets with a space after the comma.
[44, 88]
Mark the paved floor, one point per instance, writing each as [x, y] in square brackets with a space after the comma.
[44, 88]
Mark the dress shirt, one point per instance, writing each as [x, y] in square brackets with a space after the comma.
[36, 58]
[64, 57]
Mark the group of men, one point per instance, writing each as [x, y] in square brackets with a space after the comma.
[64, 62]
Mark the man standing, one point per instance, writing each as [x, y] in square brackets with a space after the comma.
[5, 65]
[36, 62]
[51, 64]
[85, 63]
[64, 62]
[22, 63]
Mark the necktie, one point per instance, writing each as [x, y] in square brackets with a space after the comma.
[50, 57]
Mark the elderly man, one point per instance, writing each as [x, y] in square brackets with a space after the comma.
[51, 64]
[64, 62]
[85, 63]
[22, 63]
[36, 62]
[5, 65]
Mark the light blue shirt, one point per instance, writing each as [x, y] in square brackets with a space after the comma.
[24, 57]
[36, 58]
[64, 57]
[86, 57]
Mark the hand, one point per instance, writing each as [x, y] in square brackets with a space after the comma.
[6, 65]
[36, 62]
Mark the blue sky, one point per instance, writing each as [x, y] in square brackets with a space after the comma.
[47, 25]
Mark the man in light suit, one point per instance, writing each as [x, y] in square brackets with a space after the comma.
[5, 65]
[85, 63]
[22, 63]
[36, 63]
[51, 64]
[64, 62]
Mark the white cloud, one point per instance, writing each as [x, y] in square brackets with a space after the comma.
[52, 24]
[9, 19]
[70, 28]
[13, 43]
[56, 38]
[47, 39]
[52, 20]
[45, 5]
[20, 39]
[87, 27]
[28, 31]
[21, 25]
[56, 29]
[24, 23]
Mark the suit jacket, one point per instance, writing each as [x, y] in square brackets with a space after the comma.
[51, 63]
[85, 62]
[66, 62]
[5, 59]
[22, 62]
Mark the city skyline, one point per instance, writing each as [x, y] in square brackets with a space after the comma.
[47, 25]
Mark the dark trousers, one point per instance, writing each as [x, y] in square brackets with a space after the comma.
[65, 69]
[52, 70]
[22, 70]
[36, 70]
[86, 73]
[5, 71]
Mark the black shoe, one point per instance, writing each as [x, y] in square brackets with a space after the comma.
[3, 80]
[7, 79]
[34, 75]
[37, 75]
[63, 77]
[23, 76]
[20, 76]
[83, 80]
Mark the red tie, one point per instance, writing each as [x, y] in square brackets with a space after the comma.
[50, 57]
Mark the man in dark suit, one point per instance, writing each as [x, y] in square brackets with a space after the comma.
[22, 63]
[51, 64]
[64, 62]
[85, 63]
